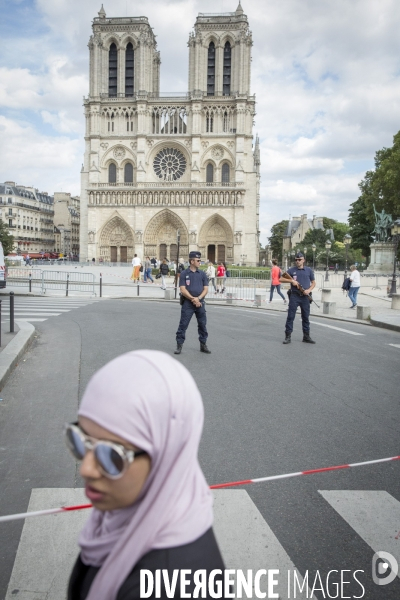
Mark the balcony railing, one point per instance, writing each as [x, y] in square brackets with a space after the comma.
[163, 96]
[171, 184]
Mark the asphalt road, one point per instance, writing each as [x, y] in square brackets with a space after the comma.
[269, 409]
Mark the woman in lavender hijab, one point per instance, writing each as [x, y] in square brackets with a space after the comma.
[139, 428]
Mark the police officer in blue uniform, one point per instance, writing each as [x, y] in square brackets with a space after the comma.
[305, 277]
[193, 285]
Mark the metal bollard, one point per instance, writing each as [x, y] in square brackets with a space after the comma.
[138, 288]
[11, 312]
[30, 282]
[101, 285]
[66, 292]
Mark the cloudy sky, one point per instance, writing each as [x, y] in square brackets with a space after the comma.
[326, 74]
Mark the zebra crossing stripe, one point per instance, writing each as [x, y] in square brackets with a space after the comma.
[374, 515]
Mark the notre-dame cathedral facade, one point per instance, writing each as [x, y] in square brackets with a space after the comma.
[158, 164]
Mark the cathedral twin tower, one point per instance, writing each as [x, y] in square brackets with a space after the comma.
[156, 165]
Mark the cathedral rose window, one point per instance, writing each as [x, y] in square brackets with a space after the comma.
[169, 164]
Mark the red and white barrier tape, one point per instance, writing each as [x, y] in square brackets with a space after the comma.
[218, 486]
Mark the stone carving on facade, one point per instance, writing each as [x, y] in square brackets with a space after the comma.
[94, 167]
[188, 143]
[119, 152]
[238, 237]
[133, 145]
[104, 145]
[205, 144]
[139, 236]
[195, 167]
[217, 152]
[150, 143]
[231, 144]
[91, 237]
[192, 237]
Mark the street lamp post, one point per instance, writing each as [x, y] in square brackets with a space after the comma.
[293, 254]
[347, 242]
[178, 240]
[396, 240]
[328, 245]
[305, 253]
[314, 247]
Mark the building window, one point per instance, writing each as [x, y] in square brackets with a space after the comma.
[209, 121]
[209, 173]
[10, 211]
[128, 173]
[225, 173]
[112, 173]
[10, 201]
[227, 69]
[211, 70]
[129, 70]
[112, 70]
[10, 223]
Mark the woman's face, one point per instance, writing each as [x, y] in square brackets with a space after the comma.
[110, 494]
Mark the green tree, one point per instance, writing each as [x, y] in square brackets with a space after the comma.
[6, 238]
[276, 238]
[361, 226]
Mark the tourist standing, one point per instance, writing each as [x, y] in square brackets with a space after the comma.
[355, 282]
[136, 262]
[164, 270]
[276, 274]
[147, 270]
[220, 277]
[211, 274]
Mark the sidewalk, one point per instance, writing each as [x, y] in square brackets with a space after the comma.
[13, 347]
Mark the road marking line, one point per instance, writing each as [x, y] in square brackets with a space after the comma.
[337, 328]
[30, 320]
[253, 312]
[394, 345]
[33, 314]
[40, 310]
[374, 515]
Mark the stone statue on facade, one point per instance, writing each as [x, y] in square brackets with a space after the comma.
[383, 224]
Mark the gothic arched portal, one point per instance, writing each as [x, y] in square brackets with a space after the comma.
[161, 236]
[216, 239]
[116, 241]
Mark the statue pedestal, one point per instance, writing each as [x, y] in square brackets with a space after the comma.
[382, 256]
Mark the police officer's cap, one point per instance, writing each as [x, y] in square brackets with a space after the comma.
[299, 255]
[194, 254]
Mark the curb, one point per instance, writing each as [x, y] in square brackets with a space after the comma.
[11, 354]
[385, 325]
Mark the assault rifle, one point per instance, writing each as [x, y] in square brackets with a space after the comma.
[299, 287]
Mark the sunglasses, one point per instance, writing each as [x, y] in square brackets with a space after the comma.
[297, 259]
[113, 459]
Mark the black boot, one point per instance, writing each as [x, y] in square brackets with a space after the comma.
[178, 349]
[287, 339]
[307, 339]
[203, 348]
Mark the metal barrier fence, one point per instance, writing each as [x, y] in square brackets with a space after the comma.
[52, 280]
[233, 288]
[377, 281]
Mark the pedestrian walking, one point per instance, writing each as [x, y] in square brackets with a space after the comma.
[147, 270]
[136, 263]
[304, 276]
[152, 507]
[355, 283]
[221, 277]
[164, 270]
[211, 274]
[193, 285]
[276, 274]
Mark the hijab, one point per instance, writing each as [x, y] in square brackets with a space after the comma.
[152, 401]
